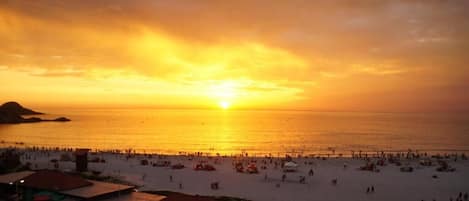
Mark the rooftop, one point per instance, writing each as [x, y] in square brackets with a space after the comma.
[96, 189]
[54, 180]
[76, 187]
[14, 177]
[137, 196]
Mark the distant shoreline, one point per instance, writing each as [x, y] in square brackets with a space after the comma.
[318, 153]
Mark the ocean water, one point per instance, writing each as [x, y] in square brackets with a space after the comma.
[232, 132]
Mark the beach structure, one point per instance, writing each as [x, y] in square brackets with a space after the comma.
[290, 166]
[49, 185]
[81, 159]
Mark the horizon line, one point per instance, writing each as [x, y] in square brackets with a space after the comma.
[258, 109]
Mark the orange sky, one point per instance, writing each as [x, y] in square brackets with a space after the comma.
[318, 55]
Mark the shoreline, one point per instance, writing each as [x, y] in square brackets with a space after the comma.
[329, 152]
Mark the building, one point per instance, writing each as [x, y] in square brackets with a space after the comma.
[49, 185]
[81, 160]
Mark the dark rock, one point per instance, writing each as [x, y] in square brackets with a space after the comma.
[11, 113]
[64, 119]
[10, 118]
[16, 108]
[32, 120]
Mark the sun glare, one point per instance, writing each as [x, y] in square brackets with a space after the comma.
[224, 105]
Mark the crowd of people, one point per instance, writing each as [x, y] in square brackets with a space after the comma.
[372, 161]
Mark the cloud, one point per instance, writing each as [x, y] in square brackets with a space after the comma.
[380, 69]
[298, 47]
[324, 29]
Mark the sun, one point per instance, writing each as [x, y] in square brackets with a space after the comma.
[224, 104]
[225, 92]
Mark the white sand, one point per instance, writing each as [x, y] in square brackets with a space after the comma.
[390, 184]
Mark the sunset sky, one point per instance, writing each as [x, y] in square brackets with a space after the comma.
[264, 54]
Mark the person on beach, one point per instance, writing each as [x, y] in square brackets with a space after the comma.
[466, 197]
[170, 178]
[368, 190]
[214, 185]
[180, 185]
[302, 180]
[265, 177]
[284, 176]
[311, 172]
[372, 189]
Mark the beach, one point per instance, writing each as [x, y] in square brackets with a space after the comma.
[384, 181]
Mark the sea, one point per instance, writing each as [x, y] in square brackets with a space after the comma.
[228, 132]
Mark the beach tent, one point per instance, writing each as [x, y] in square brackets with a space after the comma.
[252, 169]
[239, 167]
[290, 166]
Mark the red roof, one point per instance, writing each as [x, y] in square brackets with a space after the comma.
[54, 180]
[175, 196]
